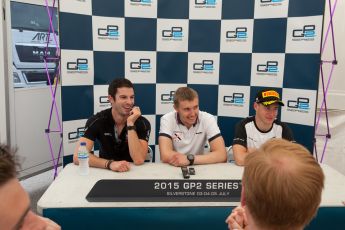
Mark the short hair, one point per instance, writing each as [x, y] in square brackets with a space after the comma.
[282, 185]
[118, 83]
[7, 164]
[184, 94]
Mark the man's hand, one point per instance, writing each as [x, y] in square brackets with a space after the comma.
[134, 114]
[237, 219]
[179, 159]
[35, 222]
[120, 166]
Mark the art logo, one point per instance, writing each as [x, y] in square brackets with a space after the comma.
[78, 66]
[237, 99]
[270, 68]
[301, 104]
[206, 66]
[42, 37]
[167, 98]
[141, 2]
[271, 2]
[74, 136]
[205, 3]
[111, 32]
[307, 33]
[143, 65]
[175, 33]
[239, 35]
[103, 101]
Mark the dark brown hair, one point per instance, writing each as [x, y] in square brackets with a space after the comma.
[7, 164]
[118, 83]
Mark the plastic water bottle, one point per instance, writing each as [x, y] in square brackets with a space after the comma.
[83, 158]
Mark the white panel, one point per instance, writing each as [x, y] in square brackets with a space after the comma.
[77, 67]
[140, 66]
[205, 9]
[3, 82]
[108, 33]
[233, 100]
[141, 8]
[267, 69]
[299, 106]
[336, 90]
[76, 6]
[334, 99]
[303, 34]
[100, 98]
[172, 35]
[271, 8]
[72, 130]
[165, 97]
[236, 36]
[32, 110]
[203, 68]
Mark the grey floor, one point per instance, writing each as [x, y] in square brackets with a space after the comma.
[37, 185]
[334, 156]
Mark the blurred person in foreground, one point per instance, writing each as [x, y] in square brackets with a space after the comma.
[15, 210]
[281, 188]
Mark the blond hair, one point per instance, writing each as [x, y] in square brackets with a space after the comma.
[184, 94]
[282, 185]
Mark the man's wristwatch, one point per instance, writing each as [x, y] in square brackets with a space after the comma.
[131, 127]
[190, 157]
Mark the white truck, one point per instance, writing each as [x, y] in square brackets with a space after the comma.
[30, 34]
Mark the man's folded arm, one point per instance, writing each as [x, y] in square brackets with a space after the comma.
[217, 152]
[166, 147]
[240, 153]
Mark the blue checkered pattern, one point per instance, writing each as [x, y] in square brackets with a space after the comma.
[225, 50]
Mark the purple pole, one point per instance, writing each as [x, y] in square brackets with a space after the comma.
[329, 26]
[53, 92]
[331, 21]
[325, 91]
[324, 149]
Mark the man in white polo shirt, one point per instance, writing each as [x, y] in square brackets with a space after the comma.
[184, 132]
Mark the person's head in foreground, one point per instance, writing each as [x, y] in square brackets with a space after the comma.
[14, 201]
[281, 188]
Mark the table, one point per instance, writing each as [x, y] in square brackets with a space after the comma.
[64, 201]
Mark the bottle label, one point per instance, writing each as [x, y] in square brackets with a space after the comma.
[83, 155]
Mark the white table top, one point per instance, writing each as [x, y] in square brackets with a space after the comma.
[70, 189]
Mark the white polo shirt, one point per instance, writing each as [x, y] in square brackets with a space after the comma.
[192, 140]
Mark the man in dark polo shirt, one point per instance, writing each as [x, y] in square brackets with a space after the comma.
[121, 131]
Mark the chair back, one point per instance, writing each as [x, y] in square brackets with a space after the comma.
[230, 154]
[149, 155]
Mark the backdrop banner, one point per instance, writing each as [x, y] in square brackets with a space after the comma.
[225, 50]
